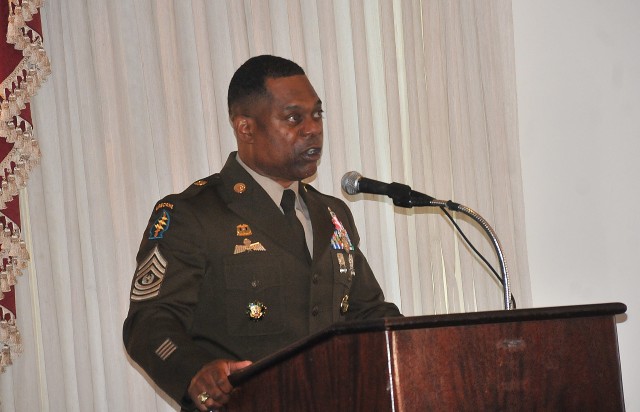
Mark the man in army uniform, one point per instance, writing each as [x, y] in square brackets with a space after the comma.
[251, 259]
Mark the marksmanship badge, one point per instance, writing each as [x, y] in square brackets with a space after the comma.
[344, 304]
[342, 263]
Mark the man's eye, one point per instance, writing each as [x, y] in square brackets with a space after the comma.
[319, 114]
[294, 118]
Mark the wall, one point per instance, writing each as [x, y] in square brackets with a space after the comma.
[578, 83]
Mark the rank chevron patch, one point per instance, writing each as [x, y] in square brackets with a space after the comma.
[149, 276]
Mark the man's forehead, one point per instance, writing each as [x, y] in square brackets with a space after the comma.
[292, 91]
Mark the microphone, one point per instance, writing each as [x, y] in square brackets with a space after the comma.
[402, 195]
[354, 183]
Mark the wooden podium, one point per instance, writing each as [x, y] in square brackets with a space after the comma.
[548, 359]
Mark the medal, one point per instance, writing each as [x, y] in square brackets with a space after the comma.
[342, 263]
[352, 270]
[340, 238]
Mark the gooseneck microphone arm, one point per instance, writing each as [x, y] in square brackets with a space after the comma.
[404, 196]
[506, 287]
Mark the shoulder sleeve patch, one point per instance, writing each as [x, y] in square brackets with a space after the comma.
[149, 276]
[160, 226]
[164, 205]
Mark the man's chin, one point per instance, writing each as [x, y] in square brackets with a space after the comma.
[309, 171]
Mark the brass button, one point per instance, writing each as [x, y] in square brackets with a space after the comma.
[315, 278]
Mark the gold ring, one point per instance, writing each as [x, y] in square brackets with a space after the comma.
[203, 397]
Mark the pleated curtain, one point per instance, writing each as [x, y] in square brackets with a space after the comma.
[417, 92]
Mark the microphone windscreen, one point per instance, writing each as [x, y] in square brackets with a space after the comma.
[350, 182]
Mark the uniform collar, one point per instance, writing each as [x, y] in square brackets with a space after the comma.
[273, 188]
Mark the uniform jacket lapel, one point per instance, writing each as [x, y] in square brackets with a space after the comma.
[320, 221]
[267, 217]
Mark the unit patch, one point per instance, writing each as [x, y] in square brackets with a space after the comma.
[149, 276]
[160, 226]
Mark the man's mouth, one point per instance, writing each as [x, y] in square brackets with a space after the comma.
[312, 154]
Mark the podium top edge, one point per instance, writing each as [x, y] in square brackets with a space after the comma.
[430, 321]
[497, 316]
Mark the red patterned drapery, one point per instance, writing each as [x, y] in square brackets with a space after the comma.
[24, 65]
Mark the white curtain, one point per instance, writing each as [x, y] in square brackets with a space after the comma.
[419, 92]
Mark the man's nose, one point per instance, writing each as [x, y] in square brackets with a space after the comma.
[313, 126]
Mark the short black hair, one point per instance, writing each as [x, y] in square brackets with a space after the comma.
[248, 82]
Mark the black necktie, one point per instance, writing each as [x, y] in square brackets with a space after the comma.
[288, 204]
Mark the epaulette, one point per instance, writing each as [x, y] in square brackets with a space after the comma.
[214, 179]
[201, 184]
[192, 190]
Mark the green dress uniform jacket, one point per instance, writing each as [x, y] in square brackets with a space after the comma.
[217, 278]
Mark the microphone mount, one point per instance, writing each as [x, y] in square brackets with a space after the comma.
[403, 196]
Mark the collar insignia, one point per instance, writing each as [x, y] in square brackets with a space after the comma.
[239, 187]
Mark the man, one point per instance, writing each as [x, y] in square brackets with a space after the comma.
[236, 267]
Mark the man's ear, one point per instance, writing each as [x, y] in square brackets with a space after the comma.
[244, 127]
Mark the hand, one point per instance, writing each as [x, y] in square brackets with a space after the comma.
[213, 379]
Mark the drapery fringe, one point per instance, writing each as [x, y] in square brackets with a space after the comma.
[10, 338]
[16, 92]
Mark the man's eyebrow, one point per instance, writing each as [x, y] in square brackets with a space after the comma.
[297, 106]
